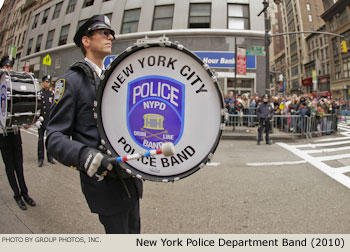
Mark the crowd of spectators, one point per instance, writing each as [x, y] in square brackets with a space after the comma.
[320, 108]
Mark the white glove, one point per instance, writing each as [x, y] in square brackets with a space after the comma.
[38, 124]
[94, 163]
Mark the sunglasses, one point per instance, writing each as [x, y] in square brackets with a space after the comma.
[105, 33]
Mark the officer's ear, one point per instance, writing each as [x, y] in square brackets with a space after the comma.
[85, 41]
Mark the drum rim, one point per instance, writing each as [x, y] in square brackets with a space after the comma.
[131, 170]
[2, 72]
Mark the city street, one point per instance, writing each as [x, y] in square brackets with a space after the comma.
[295, 186]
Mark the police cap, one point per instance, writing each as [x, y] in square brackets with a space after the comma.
[96, 22]
[5, 61]
[265, 96]
[47, 78]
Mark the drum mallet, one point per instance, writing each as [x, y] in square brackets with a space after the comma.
[167, 149]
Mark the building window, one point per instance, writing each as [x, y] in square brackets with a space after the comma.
[29, 48]
[346, 67]
[343, 17]
[337, 70]
[163, 17]
[80, 23]
[199, 16]
[335, 47]
[295, 71]
[310, 17]
[130, 21]
[38, 43]
[88, 3]
[57, 11]
[64, 35]
[294, 58]
[238, 16]
[308, 6]
[332, 25]
[49, 39]
[19, 40]
[23, 37]
[46, 14]
[35, 22]
[71, 6]
[295, 83]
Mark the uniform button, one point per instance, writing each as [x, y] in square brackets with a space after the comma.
[43, 101]
[44, 106]
[44, 113]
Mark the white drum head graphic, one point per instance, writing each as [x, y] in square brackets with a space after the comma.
[158, 94]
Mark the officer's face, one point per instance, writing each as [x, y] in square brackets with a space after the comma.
[47, 84]
[8, 68]
[100, 42]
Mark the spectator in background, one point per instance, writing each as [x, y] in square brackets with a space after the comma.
[251, 112]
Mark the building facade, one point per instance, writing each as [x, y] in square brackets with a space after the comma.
[277, 51]
[317, 69]
[337, 18]
[298, 16]
[209, 28]
[14, 18]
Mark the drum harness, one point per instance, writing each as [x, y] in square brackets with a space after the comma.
[117, 172]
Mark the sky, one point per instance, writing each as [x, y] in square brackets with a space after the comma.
[1, 2]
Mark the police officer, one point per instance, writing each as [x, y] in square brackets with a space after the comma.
[73, 138]
[12, 155]
[264, 113]
[45, 105]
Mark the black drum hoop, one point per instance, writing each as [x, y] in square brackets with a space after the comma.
[131, 170]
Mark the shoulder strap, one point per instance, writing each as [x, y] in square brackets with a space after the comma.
[82, 65]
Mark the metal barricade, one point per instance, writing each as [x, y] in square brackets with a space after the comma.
[297, 125]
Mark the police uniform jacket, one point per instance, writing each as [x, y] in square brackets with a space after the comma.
[72, 116]
[264, 110]
[45, 105]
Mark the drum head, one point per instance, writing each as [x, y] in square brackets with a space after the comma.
[155, 94]
[3, 98]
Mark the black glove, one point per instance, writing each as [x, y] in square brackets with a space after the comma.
[94, 163]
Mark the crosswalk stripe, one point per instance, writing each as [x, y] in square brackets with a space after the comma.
[327, 150]
[332, 172]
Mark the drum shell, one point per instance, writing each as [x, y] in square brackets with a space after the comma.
[22, 99]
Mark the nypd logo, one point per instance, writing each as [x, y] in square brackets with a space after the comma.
[155, 111]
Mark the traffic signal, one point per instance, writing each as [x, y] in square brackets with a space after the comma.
[344, 48]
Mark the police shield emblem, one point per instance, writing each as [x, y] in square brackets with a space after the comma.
[59, 90]
[155, 111]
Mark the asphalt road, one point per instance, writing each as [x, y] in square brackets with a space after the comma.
[265, 189]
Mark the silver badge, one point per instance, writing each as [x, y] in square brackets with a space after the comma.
[107, 21]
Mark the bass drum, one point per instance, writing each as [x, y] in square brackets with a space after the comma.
[19, 99]
[158, 92]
